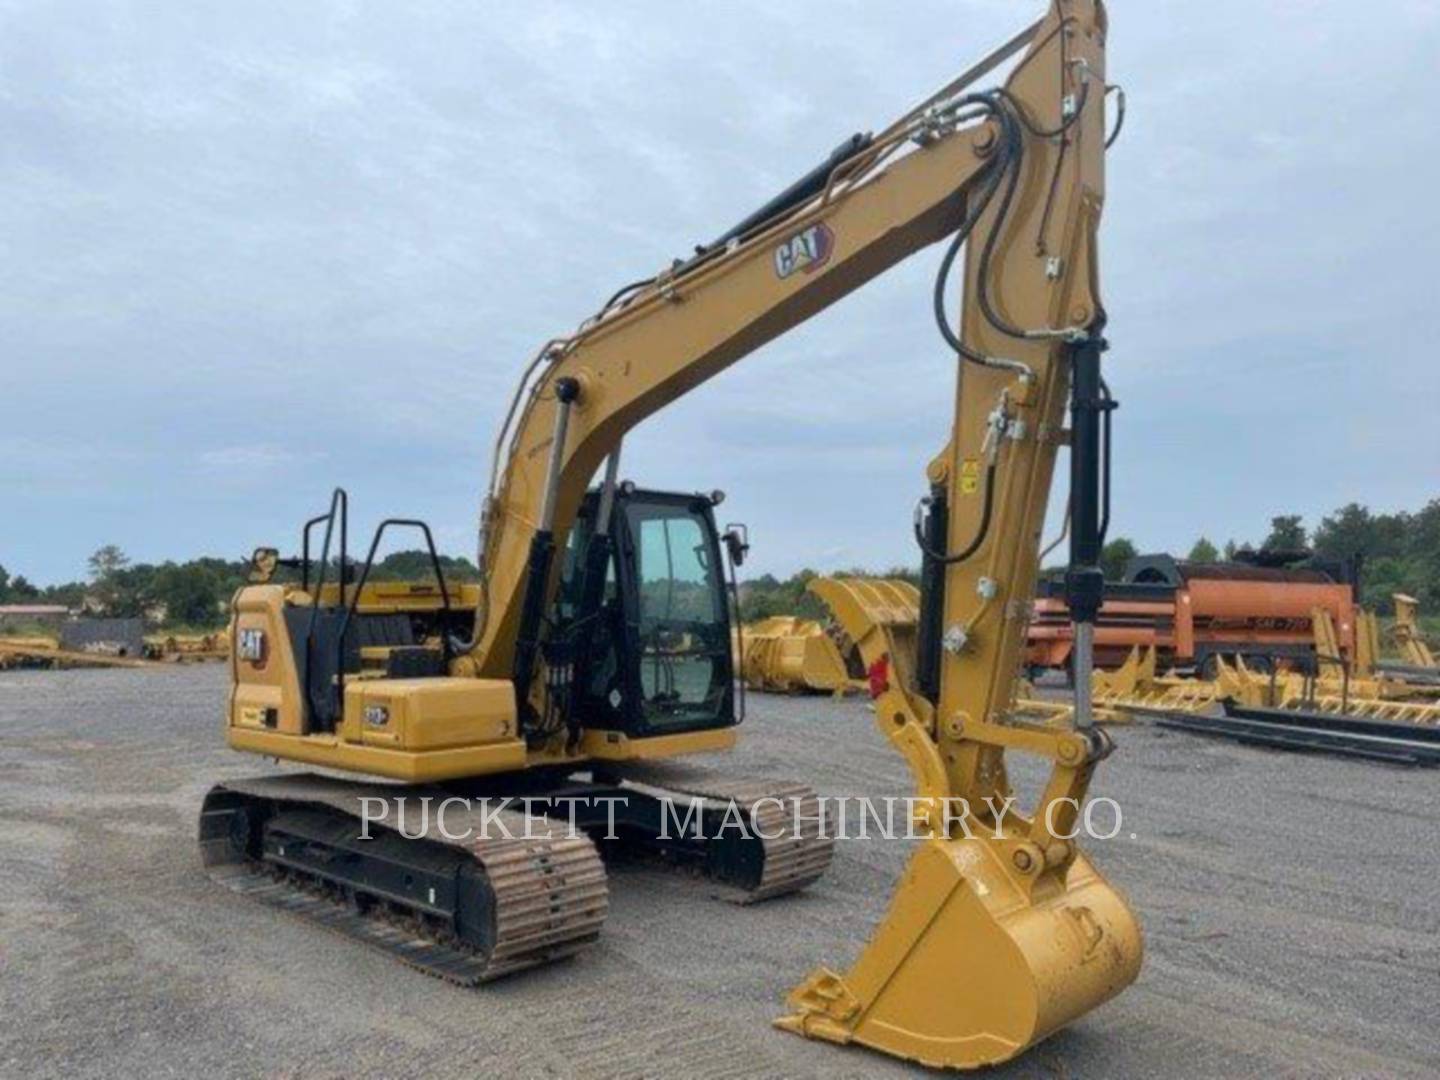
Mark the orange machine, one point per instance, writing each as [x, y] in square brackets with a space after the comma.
[1192, 612]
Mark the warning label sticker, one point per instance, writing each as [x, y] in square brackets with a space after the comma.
[969, 476]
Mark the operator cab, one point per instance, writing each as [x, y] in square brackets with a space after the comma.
[644, 615]
[637, 640]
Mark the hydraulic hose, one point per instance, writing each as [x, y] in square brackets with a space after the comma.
[1119, 114]
[986, 511]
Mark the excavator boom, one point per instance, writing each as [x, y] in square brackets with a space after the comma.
[905, 189]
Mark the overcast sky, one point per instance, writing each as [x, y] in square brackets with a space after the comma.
[252, 250]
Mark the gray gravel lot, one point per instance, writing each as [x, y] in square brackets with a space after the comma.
[1291, 907]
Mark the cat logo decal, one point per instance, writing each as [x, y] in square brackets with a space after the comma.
[806, 251]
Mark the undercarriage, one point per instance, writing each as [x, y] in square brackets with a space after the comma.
[473, 884]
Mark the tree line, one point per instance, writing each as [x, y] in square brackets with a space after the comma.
[194, 594]
[1399, 552]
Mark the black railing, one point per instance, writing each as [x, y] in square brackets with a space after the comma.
[339, 508]
[354, 603]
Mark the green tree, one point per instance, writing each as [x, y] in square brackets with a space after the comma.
[190, 594]
[1115, 555]
[1351, 530]
[1393, 533]
[21, 591]
[1423, 554]
[4, 585]
[1382, 578]
[1287, 533]
[128, 592]
[107, 565]
[1204, 552]
[107, 562]
[71, 594]
[415, 565]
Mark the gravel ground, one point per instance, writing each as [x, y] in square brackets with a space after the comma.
[1289, 905]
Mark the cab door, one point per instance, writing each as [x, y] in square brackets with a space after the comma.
[677, 630]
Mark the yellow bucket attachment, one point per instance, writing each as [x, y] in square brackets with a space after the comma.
[790, 655]
[1414, 650]
[976, 960]
[880, 617]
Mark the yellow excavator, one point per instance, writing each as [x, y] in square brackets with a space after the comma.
[595, 648]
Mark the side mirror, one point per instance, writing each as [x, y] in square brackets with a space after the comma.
[262, 565]
[737, 542]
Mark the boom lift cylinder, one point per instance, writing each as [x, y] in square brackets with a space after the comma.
[542, 548]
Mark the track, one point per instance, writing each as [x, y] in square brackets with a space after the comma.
[516, 892]
[790, 858]
[541, 897]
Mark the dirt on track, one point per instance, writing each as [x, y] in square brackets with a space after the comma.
[1289, 902]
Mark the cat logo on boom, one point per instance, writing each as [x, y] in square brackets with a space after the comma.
[807, 250]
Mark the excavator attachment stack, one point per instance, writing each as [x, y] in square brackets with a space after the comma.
[872, 621]
[1135, 686]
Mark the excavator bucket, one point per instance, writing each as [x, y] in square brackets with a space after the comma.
[879, 616]
[971, 965]
[984, 952]
[789, 655]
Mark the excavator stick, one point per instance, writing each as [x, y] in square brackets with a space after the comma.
[1001, 931]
